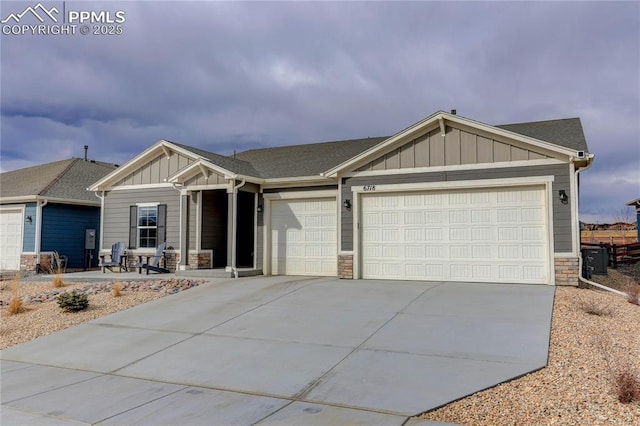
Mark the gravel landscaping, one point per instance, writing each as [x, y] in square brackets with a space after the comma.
[41, 314]
[594, 336]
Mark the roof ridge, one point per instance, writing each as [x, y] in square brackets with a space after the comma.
[313, 143]
[57, 178]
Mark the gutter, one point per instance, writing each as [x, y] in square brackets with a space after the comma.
[577, 230]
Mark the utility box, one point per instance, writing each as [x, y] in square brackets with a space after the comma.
[594, 261]
[90, 239]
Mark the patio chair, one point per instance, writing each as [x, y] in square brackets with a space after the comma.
[153, 262]
[118, 258]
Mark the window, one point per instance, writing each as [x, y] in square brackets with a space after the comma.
[147, 226]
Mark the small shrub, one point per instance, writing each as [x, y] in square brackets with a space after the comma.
[57, 282]
[596, 308]
[15, 306]
[627, 385]
[633, 293]
[117, 288]
[57, 279]
[73, 301]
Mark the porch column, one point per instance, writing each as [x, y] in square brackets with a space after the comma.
[184, 231]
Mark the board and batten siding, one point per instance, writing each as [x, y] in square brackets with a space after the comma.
[116, 213]
[562, 229]
[458, 147]
[156, 170]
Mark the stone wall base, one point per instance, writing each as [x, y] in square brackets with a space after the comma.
[172, 258]
[28, 262]
[566, 269]
[345, 266]
[201, 259]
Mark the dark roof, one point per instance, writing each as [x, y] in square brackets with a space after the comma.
[305, 160]
[65, 179]
[566, 132]
[229, 163]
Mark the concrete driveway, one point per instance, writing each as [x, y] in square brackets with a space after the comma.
[281, 350]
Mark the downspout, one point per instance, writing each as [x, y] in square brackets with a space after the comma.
[234, 227]
[39, 206]
[577, 231]
[101, 197]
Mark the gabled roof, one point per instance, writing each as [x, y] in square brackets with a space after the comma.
[565, 132]
[320, 160]
[62, 180]
[305, 160]
[231, 164]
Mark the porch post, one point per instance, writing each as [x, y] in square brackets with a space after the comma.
[184, 231]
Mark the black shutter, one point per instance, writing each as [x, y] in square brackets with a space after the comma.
[133, 227]
[162, 224]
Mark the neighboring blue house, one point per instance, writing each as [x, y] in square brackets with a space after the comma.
[47, 208]
[636, 203]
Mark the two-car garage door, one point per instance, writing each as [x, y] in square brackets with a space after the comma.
[490, 235]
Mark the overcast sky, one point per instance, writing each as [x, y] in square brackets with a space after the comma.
[225, 76]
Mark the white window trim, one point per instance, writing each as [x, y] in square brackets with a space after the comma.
[139, 205]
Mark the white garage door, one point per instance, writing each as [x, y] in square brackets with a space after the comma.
[10, 239]
[486, 235]
[304, 237]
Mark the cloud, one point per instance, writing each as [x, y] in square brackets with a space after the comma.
[229, 76]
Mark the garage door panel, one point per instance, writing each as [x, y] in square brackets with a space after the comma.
[304, 237]
[464, 235]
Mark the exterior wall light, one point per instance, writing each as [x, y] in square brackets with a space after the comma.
[259, 208]
[564, 198]
[29, 219]
[347, 204]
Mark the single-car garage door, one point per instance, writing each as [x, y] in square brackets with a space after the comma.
[304, 237]
[480, 235]
[10, 239]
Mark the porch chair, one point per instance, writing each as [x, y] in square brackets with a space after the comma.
[118, 258]
[153, 262]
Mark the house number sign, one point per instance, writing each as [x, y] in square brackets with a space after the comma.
[367, 188]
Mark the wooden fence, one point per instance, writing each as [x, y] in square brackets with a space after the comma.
[619, 254]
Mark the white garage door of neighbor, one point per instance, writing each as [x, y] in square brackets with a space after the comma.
[304, 237]
[10, 239]
[483, 235]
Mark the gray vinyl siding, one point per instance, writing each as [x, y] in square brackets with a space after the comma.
[562, 230]
[116, 213]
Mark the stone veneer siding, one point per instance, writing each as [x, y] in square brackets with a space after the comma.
[345, 266]
[566, 269]
[28, 262]
[201, 260]
[172, 258]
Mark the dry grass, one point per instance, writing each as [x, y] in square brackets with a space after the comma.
[57, 279]
[117, 290]
[15, 305]
[633, 292]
